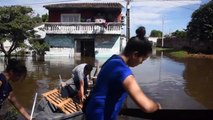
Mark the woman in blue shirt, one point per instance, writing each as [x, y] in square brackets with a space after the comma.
[116, 79]
[14, 71]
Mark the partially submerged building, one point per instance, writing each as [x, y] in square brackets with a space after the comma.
[84, 29]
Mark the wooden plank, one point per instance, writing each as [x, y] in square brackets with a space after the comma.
[67, 105]
[50, 92]
[64, 102]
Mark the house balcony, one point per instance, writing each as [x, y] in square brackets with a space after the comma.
[83, 28]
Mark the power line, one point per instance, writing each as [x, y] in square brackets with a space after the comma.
[53, 2]
[128, 13]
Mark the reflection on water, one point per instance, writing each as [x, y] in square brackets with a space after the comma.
[198, 74]
[161, 78]
[176, 84]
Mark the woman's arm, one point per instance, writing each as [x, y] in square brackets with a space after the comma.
[18, 106]
[0, 83]
[136, 93]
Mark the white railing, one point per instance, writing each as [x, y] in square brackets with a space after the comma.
[83, 28]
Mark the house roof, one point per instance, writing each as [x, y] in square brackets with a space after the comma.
[84, 5]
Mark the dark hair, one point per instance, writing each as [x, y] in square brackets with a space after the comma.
[140, 32]
[88, 67]
[16, 67]
[143, 47]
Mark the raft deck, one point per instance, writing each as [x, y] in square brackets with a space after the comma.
[66, 105]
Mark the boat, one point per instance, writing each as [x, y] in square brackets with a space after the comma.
[170, 114]
[54, 107]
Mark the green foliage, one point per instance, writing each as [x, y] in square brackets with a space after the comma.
[44, 18]
[179, 54]
[163, 49]
[37, 19]
[156, 33]
[39, 46]
[179, 34]
[200, 28]
[16, 23]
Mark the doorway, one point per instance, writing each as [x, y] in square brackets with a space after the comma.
[86, 47]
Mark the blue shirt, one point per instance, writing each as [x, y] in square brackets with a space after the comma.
[108, 94]
[5, 89]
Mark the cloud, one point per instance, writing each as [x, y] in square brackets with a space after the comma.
[145, 12]
[145, 17]
[151, 12]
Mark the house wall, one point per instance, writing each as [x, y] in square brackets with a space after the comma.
[64, 45]
[111, 15]
[105, 46]
[54, 16]
[60, 45]
[193, 46]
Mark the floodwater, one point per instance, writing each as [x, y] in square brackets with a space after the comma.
[175, 83]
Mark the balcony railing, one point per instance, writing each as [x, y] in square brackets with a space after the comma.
[83, 28]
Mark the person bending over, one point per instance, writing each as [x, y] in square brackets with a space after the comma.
[115, 80]
[79, 80]
[14, 71]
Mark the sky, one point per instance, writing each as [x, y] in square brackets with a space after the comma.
[164, 15]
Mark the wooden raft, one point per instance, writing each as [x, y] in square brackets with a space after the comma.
[67, 105]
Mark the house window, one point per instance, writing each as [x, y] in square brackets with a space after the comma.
[70, 17]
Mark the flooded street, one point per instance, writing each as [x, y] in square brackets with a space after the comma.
[175, 83]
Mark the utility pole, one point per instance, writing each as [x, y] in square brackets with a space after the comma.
[162, 42]
[127, 19]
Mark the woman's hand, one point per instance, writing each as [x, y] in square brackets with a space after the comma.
[17, 105]
[159, 106]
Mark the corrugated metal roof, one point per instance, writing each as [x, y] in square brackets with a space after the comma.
[84, 5]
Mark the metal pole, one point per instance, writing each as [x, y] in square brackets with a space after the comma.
[127, 20]
[162, 42]
[31, 116]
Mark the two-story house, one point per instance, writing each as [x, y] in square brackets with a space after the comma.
[84, 29]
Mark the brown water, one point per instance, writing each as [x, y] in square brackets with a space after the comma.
[175, 83]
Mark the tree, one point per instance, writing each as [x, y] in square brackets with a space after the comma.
[179, 34]
[37, 19]
[15, 24]
[156, 33]
[39, 46]
[44, 17]
[200, 28]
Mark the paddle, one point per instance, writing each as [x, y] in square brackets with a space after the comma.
[169, 114]
[34, 102]
[63, 90]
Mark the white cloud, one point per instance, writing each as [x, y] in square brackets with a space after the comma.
[165, 4]
[152, 12]
[145, 18]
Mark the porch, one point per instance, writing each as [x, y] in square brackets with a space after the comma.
[83, 28]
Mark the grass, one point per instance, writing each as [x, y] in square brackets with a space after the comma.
[179, 54]
[163, 49]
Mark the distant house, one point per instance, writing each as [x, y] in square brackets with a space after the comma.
[7, 45]
[84, 29]
[153, 40]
